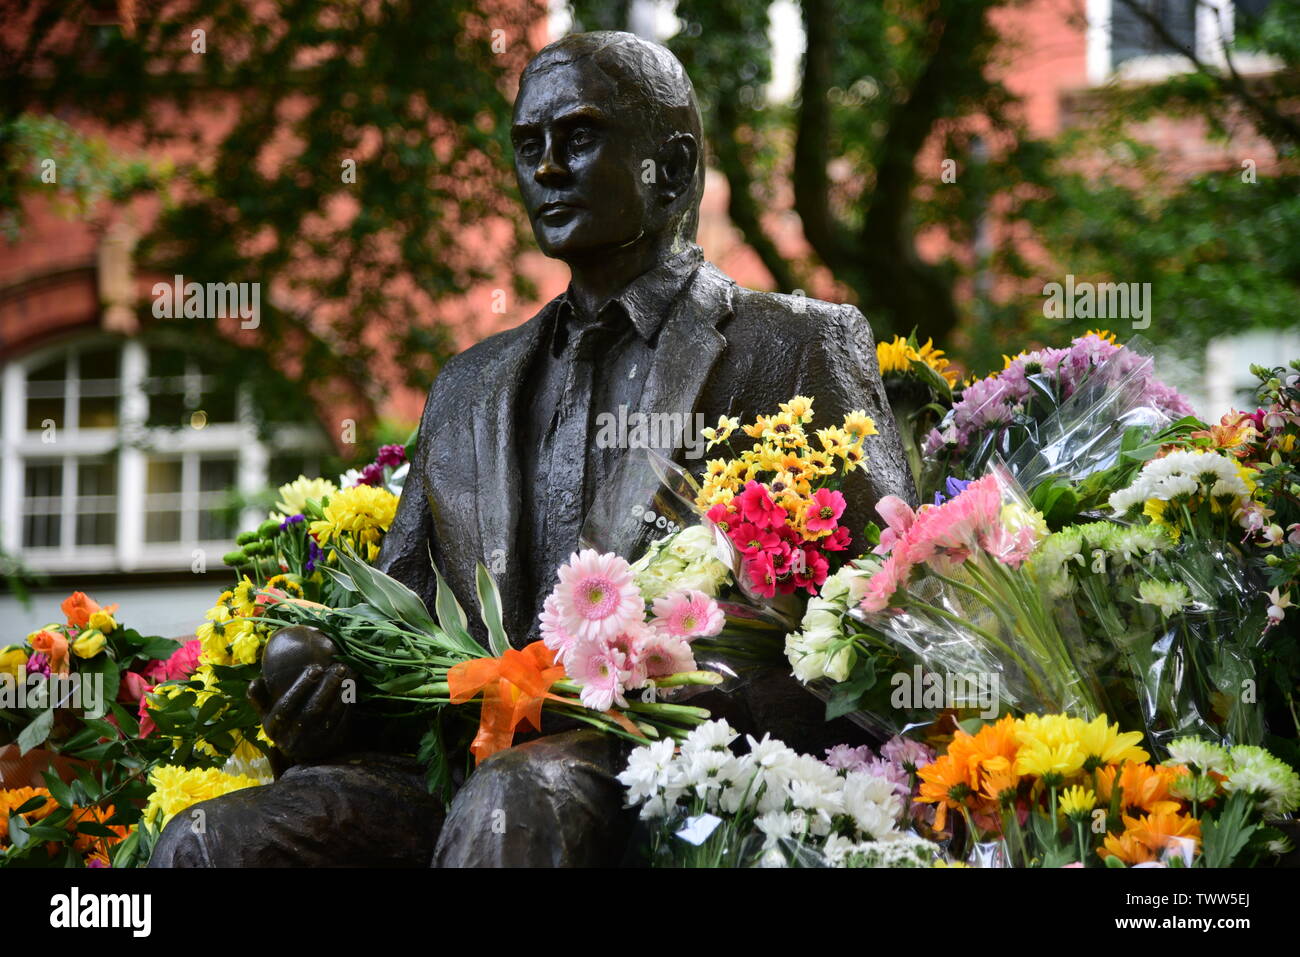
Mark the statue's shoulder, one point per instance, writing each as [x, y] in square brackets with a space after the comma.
[465, 372]
[790, 318]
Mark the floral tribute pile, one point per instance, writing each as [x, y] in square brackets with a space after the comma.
[1076, 651]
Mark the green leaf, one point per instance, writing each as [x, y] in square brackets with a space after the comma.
[1222, 839]
[60, 791]
[451, 616]
[17, 830]
[489, 600]
[846, 696]
[34, 734]
[112, 676]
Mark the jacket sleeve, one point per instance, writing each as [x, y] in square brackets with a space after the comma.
[409, 545]
[839, 368]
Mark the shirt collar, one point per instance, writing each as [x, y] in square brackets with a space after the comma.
[646, 299]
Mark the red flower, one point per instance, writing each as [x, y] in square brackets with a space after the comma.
[751, 539]
[825, 510]
[722, 516]
[762, 574]
[757, 506]
[837, 541]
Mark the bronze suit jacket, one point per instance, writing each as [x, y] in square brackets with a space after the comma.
[724, 350]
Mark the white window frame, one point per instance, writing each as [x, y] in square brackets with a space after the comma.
[1214, 29]
[131, 443]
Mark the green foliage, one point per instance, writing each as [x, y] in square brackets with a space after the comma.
[285, 103]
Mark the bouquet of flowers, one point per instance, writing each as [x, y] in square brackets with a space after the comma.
[773, 807]
[778, 502]
[64, 673]
[73, 689]
[598, 644]
[954, 590]
[1053, 408]
[1055, 790]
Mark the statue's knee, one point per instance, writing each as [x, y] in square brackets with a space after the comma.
[183, 842]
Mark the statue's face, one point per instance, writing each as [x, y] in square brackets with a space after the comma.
[579, 163]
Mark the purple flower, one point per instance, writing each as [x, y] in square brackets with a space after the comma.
[39, 664]
[314, 554]
[844, 758]
[952, 487]
[95, 862]
[907, 754]
[292, 520]
[891, 772]
[391, 456]
[372, 474]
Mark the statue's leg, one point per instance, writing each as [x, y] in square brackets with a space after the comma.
[551, 802]
[365, 811]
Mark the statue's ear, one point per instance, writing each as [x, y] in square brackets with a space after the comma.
[677, 161]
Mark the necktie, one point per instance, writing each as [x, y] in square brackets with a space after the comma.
[568, 473]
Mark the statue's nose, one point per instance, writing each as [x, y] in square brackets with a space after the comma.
[549, 168]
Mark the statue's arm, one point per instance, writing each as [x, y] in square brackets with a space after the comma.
[405, 554]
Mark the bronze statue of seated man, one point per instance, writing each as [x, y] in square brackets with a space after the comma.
[607, 145]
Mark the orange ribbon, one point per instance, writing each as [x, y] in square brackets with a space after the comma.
[514, 687]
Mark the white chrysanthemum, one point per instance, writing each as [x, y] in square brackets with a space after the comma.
[1204, 756]
[709, 736]
[647, 770]
[781, 825]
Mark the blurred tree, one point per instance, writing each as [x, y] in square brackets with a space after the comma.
[1221, 248]
[350, 157]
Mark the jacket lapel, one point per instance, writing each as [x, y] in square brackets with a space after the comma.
[496, 490]
[688, 346]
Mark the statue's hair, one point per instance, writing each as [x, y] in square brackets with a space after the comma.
[649, 81]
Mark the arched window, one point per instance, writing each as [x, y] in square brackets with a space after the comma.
[121, 455]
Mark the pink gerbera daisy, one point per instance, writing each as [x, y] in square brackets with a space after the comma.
[632, 645]
[599, 669]
[666, 655]
[554, 634]
[688, 614]
[596, 597]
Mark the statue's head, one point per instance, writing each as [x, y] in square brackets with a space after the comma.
[607, 140]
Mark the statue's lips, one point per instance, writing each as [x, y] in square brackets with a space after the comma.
[557, 212]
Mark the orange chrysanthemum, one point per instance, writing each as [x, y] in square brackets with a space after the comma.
[1146, 787]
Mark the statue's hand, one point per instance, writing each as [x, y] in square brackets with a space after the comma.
[301, 696]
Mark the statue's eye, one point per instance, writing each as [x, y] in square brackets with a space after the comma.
[582, 136]
[529, 149]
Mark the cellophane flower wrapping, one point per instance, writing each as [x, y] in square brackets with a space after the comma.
[954, 591]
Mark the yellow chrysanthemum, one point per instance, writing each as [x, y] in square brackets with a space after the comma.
[175, 789]
[357, 517]
[1104, 744]
[1077, 801]
[894, 356]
